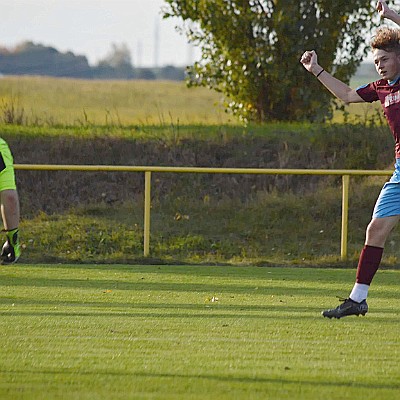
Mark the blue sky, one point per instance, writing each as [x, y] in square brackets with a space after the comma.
[89, 27]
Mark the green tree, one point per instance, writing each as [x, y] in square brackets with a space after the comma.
[117, 64]
[251, 51]
[29, 58]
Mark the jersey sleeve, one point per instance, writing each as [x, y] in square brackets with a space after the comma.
[368, 92]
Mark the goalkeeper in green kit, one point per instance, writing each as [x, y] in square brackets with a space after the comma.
[9, 203]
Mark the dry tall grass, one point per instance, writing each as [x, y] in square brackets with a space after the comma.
[73, 102]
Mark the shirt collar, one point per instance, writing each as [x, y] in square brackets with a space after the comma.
[391, 83]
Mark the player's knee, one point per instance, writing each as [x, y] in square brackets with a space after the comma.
[9, 199]
[377, 232]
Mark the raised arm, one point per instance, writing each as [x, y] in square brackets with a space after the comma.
[335, 86]
[385, 12]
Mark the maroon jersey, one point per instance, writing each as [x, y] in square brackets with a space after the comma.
[389, 96]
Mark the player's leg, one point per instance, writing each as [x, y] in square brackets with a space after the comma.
[371, 254]
[9, 203]
[385, 217]
[10, 209]
[370, 258]
[11, 250]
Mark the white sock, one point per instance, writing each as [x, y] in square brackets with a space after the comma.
[359, 292]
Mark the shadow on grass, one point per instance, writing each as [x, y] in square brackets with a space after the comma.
[281, 381]
[150, 278]
[176, 310]
[167, 261]
[270, 288]
[219, 378]
[214, 315]
[297, 273]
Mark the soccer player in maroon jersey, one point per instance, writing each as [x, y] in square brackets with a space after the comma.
[386, 52]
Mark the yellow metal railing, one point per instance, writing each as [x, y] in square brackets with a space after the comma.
[201, 170]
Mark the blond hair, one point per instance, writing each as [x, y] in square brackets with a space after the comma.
[387, 39]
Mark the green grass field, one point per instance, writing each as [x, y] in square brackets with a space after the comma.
[191, 332]
[43, 101]
[57, 101]
[77, 331]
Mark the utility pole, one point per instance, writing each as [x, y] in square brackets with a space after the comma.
[157, 43]
[139, 55]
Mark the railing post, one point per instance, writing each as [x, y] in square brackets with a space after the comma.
[147, 207]
[345, 215]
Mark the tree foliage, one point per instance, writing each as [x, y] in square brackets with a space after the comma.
[117, 63]
[36, 59]
[29, 58]
[251, 51]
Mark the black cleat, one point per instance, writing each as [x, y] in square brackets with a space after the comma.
[348, 307]
[11, 249]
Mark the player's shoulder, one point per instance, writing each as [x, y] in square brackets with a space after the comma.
[380, 84]
[369, 86]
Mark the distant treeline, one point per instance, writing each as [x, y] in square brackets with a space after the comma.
[35, 59]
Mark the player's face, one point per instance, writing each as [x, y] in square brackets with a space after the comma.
[387, 64]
